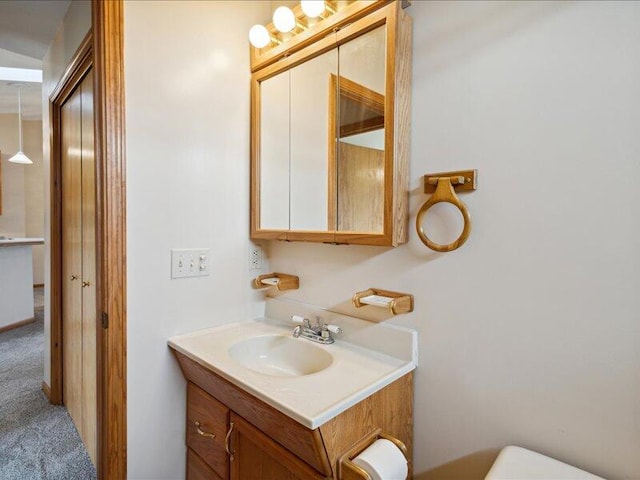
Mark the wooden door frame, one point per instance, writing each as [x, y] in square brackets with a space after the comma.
[102, 50]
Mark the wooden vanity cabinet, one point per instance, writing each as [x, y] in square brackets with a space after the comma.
[258, 456]
[198, 469]
[252, 440]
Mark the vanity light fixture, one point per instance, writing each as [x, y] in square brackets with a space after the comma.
[285, 21]
[20, 157]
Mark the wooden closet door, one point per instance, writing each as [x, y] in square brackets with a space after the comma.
[79, 264]
[72, 257]
[89, 314]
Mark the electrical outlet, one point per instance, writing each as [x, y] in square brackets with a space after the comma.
[189, 262]
[255, 256]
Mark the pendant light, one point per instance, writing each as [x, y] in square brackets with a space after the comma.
[20, 157]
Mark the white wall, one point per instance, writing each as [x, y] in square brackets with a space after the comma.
[76, 24]
[529, 333]
[187, 115]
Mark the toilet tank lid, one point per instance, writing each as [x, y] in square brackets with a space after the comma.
[517, 463]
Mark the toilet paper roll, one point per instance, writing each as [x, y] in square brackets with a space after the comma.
[383, 461]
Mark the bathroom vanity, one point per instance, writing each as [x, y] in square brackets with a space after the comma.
[16, 281]
[330, 122]
[262, 404]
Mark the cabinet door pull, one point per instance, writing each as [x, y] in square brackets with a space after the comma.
[202, 432]
[86, 283]
[226, 442]
[74, 277]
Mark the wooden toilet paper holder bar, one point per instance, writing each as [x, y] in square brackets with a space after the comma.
[347, 470]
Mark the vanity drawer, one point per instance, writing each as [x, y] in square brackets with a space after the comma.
[197, 469]
[205, 417]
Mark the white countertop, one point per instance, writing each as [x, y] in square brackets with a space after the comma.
[20, 241]
[312, 400]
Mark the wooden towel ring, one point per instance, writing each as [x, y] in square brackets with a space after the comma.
[444, 193]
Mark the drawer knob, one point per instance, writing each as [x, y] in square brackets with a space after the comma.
[202, 432]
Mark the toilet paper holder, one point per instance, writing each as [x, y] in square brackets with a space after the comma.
[347, 470]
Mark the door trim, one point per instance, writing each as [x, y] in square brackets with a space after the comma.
[101, 49]
[109, 108]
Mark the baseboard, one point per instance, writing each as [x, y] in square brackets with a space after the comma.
[21, 323]
[47, 390]
[38, 285]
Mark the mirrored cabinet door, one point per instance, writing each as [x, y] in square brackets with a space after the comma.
[360, 152]
[310, 128]
[274, 152]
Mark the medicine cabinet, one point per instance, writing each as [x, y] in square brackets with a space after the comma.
[330, 132]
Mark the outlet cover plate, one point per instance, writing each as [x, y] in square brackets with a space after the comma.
[256, 256]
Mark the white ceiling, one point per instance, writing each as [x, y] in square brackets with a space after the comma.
[27, 28]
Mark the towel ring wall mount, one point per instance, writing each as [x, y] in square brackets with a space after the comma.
[444, 186]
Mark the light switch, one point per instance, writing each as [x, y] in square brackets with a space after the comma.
[189, 262]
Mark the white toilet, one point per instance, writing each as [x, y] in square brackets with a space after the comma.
[517, 463]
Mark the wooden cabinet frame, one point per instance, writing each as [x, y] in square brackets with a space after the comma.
[397, 127]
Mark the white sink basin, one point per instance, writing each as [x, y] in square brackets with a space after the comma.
[309, 382]
[280, 356]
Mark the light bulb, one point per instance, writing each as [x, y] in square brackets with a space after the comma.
[284, 19]
[259, 36]
[312, 8]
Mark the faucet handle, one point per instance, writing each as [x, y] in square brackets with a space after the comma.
[333, 328]
[300, 319]
[297, 318]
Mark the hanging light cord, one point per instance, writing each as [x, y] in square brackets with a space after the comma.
[20, 157]
[20, 117]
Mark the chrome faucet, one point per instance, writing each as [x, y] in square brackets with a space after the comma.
[319, 333]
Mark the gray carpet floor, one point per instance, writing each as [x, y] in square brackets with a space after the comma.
[37, 440]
